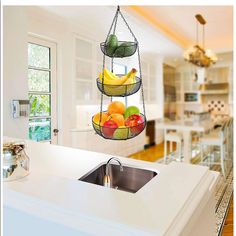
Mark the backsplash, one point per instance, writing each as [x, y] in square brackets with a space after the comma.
[216, 106]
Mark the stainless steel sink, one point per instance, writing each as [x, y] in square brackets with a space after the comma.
[130, 179]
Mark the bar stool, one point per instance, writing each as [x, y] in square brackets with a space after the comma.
[216, 138]
[173, 137]
[230, 138]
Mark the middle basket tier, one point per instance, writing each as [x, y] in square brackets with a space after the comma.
[121, 90]
[118, 85]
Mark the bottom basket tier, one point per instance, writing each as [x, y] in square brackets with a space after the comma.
[133, 129]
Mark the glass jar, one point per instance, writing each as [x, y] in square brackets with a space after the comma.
[15, 161]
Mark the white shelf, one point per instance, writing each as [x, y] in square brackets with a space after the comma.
[214, 92]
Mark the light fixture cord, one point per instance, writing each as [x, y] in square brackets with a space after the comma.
[203, 37]
[197, 31]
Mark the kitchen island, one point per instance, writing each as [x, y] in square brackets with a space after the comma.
[179, 200]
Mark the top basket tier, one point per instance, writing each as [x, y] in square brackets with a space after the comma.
[123, 49]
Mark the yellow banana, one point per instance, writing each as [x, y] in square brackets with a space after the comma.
[131, 74]
[112, 79]
[131, 77]
[110, 75]
[130, 81]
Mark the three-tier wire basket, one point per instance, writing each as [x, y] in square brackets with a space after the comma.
[134, 120]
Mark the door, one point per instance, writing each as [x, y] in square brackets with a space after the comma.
[43, 125]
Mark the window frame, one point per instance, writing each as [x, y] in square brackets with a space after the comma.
[52, 85]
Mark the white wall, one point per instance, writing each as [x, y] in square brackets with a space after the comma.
[159, 88]
[159, 84]
[40, 23]
[14, 68]
[55, 29]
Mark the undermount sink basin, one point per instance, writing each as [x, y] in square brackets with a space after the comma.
[131, 179]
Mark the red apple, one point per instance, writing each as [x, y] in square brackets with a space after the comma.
[136, 123]
[108, 128]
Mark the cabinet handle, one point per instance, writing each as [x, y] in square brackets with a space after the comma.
[55, 131]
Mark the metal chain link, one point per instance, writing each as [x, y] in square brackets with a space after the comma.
[127, 26]
[101, 104]
[140, 72]
[113, 21]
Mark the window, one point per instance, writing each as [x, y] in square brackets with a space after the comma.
[119, 68]
[40, 91]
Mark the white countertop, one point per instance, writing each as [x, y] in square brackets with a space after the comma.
[52, 192]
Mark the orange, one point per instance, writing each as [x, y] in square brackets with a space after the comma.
[118, 118]
[96, 118]
[116, 107]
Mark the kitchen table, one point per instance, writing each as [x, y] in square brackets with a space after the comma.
[186, 127]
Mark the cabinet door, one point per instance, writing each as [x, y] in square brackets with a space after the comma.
[218, 75]
[79, 140]
[84, 70]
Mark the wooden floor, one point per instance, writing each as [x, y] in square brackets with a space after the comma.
[156, 152]
[229, 222]
[151, 154]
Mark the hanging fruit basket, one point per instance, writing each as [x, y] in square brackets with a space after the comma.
[122, 90]
[118, 49]
[134, 125]
[119, 121]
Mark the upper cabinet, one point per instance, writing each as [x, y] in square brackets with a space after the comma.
[169, 79]
[84, 70]
[149, 79]
[217, 75]
[87, 66]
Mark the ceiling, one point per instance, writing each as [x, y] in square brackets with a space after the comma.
[97, 20]
[179, 24]
[165, 30]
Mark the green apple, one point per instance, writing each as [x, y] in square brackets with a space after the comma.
[131, 110]
[121, 133]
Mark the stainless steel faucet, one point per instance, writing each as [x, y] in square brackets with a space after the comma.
[106, 179]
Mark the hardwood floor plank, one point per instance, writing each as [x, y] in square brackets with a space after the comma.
[228, 229]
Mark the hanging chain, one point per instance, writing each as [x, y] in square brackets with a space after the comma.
[127, 26]
[116, 18]
[197, 31]
[203, 37]
[140, 72]
[114, 23]
[101, 105]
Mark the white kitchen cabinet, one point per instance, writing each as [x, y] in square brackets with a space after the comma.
[149, 80]
[217, 74]
[84, 70]
[231, 88]
[89, 140]
[79, 141]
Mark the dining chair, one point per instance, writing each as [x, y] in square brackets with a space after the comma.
[172, 136]
[217, 138]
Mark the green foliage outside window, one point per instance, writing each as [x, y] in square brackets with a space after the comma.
[39, 129]
[39, 87]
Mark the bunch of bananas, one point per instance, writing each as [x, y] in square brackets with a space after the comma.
[114, 85]
[112, 79]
